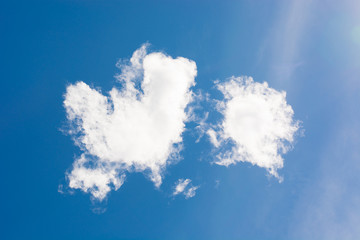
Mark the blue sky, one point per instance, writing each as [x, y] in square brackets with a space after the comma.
[309, 49]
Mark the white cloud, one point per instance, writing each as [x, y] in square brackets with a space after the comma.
[132, 129]
[217, 183]
[258, 125]
[191, 192]
[185, 187]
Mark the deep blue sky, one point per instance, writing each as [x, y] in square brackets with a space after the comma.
[310, 49]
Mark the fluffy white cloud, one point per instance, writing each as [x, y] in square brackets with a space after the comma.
[185, 187]
[257, 127]
[136, 128]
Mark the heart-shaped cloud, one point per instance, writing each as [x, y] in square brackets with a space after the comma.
[134, 128]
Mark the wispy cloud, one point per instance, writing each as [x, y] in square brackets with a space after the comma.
[136, 128]
[287, 38]
[257, 125]
[185, 187]
[328, 208]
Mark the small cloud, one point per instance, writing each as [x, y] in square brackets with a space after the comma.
[185, 187]
[60, 189]
[257, 125]
[191, 192]
[217, 184]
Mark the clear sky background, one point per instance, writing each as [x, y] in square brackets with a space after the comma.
[310, 49]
